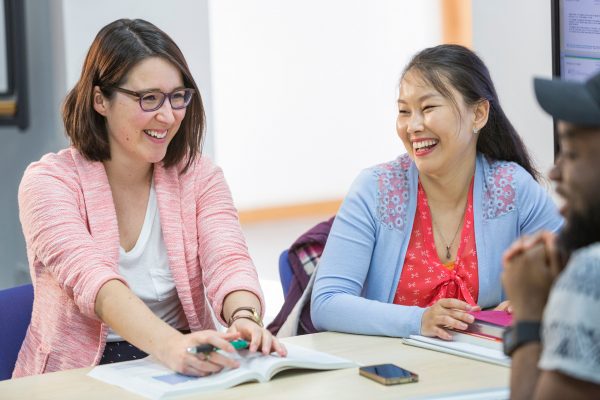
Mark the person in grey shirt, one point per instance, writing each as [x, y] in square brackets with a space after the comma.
[553, 282]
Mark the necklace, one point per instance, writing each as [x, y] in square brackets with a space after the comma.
[448, 246]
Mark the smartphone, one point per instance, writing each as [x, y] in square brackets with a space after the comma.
[388, 374]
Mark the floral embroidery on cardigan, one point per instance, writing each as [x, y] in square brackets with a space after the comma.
[392, 192]
[499, 195]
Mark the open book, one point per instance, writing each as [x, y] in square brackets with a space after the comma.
[147, 377]
[468, 350]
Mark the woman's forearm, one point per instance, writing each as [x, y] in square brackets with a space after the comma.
[240, 298]
[118, 307]
[524, 371]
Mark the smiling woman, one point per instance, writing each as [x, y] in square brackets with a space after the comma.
[431, 126]
[141, 129]
[130, 230]
[417, 243]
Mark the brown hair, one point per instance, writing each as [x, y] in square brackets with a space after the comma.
[117, 48]
[462, 69]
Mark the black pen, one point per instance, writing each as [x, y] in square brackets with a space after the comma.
[207, 348]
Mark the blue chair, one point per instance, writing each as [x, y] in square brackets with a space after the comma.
[285, 272]
[15, 313]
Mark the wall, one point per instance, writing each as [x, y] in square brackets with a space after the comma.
[513, 37]
[45, 61]
[304, 91]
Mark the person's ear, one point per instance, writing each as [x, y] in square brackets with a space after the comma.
[481, 114]
[99, 101]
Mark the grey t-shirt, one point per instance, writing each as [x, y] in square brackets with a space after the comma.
[571, 324]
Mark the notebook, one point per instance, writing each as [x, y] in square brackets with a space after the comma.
[468, 350]
[489, 342]
[490, 323]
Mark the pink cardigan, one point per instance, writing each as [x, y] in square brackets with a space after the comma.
[70, 227]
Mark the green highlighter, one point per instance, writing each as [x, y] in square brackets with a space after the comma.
[238, 344]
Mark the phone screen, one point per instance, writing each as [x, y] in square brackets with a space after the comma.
[388, 374]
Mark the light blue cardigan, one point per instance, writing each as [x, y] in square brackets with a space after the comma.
[363, 259]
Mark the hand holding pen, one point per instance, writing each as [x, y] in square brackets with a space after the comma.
[176, 356]
[206, 349]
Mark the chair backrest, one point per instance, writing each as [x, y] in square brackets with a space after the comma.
[15, 313]
[285, 272]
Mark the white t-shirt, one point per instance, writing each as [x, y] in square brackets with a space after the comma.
[146, 270]
[571, 324]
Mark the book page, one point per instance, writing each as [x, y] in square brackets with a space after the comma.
[149, 378]
[298, 357]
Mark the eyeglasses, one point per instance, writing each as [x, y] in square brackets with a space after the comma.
[152, 100]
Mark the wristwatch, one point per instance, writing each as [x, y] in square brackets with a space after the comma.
[254, 317]
[519, 334]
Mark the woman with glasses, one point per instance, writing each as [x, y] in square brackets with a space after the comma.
[131, 233]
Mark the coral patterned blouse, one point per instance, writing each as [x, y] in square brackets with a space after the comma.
[425, 279]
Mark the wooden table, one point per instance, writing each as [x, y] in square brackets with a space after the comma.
[439, 374]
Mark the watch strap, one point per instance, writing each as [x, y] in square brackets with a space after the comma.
[519, 334]
[245, 316]
[254, 317]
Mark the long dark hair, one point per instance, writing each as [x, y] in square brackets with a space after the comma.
[463, 70]
[117, 48]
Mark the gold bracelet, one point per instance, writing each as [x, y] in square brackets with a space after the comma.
[244, 316]
[254, 317]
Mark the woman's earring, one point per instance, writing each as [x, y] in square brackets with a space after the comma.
[475, 131]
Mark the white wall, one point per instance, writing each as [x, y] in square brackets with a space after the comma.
[513, 37]
[186, 21]
[305, 90]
